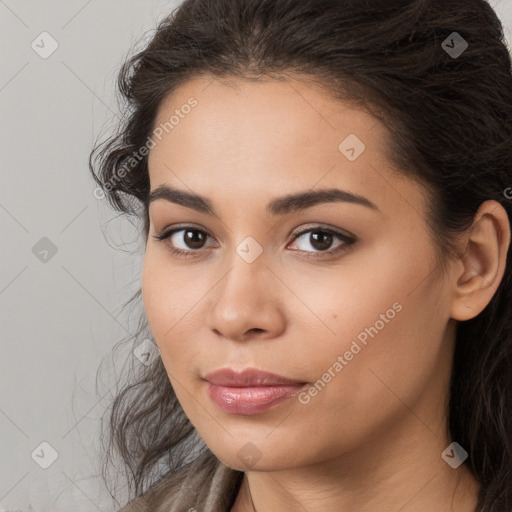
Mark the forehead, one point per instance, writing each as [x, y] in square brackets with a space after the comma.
[267, 137]
[282, 113]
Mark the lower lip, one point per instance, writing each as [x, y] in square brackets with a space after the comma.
[250, 400]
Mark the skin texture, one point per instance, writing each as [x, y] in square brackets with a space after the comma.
[372, 438]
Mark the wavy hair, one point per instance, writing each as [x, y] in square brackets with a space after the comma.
[450, 120]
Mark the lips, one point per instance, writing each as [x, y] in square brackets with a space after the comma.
[251, 391]
[249, 377]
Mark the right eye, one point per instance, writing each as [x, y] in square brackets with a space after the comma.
[192, 240]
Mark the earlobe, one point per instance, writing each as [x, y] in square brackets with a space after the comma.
[483, 262]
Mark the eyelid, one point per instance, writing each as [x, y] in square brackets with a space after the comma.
[322, 227]
[166, 232]
[171, 230]
[345, 236]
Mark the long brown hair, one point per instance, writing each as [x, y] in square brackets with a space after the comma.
[451, 119]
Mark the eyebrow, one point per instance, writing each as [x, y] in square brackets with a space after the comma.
[279, 206]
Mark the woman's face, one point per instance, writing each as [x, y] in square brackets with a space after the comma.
[355, 306]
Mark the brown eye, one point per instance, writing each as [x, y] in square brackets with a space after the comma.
[187, 242]
[321, 241]
[194, 238]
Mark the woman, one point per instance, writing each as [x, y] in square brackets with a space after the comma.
[323, 185]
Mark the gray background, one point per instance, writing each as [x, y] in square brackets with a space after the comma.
[61, 313]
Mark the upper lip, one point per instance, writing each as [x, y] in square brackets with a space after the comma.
[248, 377]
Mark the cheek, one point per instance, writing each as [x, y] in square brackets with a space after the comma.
[167, 300]
[385, 318]
[156, 295]
[387, 343]
[166, 303]
[357, 301]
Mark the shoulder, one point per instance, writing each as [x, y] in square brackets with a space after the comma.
[205, 484]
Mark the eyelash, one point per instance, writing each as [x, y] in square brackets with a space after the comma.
[348, 241]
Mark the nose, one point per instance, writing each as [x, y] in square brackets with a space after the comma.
[247, 303]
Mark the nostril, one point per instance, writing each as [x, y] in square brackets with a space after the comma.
[248, 333]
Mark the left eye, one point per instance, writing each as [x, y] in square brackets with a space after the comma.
[322, 240]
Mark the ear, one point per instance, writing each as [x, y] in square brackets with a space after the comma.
[481, 267]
